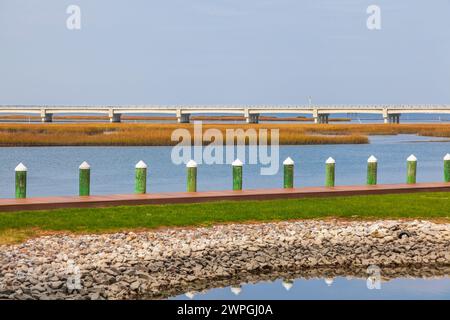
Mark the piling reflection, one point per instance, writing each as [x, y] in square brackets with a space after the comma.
[373, 276]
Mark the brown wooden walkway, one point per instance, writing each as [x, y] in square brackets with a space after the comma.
[190, 197]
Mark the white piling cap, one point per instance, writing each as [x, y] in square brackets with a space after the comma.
[237, 163]
[447, 157]
[330, 160]
[372, 159]
[21, 167]
[141, 165]
[287, 284]
[85, 165]
[190, 294]
[236, 290]
[412, 158]
[191, 164]
[288, 162]
[329, 281]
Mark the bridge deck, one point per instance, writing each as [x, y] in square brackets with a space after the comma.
[189, 197]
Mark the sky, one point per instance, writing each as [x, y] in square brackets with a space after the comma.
[224, 52]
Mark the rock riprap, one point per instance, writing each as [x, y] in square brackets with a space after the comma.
[156, 264]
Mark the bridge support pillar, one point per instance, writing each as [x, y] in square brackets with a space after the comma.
[115, 118]
[46, 117]
[183, 118]
[321, 118]
[392, 118]
[252, 118]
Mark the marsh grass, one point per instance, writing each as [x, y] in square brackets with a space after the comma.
[126, 134]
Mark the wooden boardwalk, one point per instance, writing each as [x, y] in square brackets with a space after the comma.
[194, 197]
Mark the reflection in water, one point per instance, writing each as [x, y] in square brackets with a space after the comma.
[394, 283]
[287, 284]
[236, 289]
[329, 281]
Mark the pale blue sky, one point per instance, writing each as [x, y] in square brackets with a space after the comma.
[224, 51]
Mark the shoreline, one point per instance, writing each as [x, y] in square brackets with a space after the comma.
[163, 263]
[16, 227]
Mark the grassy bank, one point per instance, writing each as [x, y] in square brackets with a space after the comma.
[124, 134]
[18, 226]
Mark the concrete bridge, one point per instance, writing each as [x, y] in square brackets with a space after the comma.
[320, 113]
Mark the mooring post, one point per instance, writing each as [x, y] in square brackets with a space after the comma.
[330, 165]
[85, 179]
[21, 181]
[191, 176]
[237, 174]
[411, 169]
[288, 165]
[140, 185]
[447, 167]
[372, 167]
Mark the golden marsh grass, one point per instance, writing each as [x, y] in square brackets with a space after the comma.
[123, 134]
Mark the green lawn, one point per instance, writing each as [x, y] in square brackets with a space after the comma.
[18, 226]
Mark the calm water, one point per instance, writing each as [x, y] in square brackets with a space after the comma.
[54, 170]
[341, 288]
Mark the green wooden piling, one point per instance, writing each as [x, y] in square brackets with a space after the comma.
[191, 176]
[84, 179]
[447, 167]
[372, 167]
[288, 165]
[237, 174]
[411, 169]
[21, 181]
[140, 186]
[330, 165]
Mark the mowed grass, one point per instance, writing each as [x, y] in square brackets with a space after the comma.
[18, 226]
